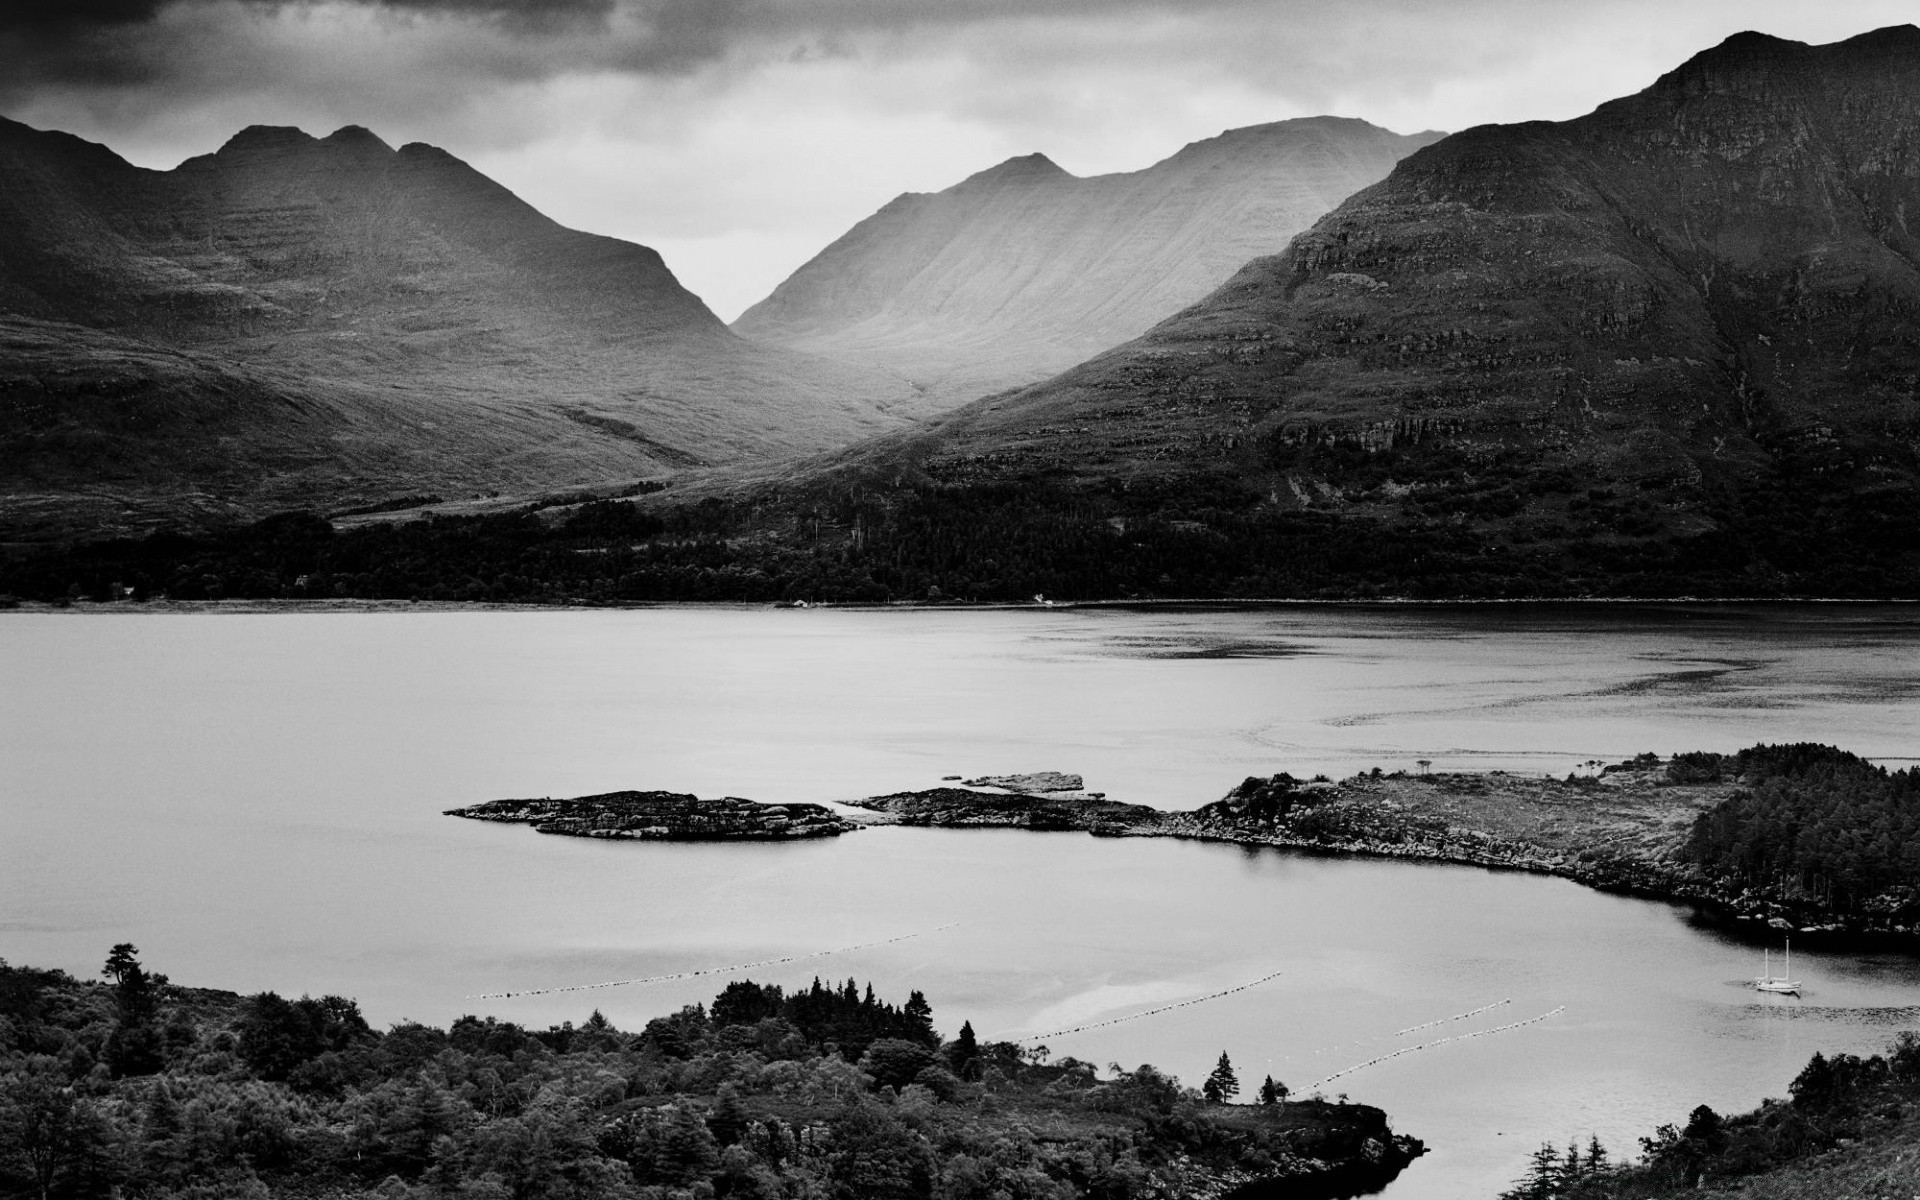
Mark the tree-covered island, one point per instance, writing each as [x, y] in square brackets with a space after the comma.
[136, 1087]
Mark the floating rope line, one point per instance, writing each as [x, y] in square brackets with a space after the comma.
[1152, 1012]
[1458, 1037]
[726, 970]
[1450, 1020]
[1373, 1039]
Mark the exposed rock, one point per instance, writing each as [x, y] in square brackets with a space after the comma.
[1038, 781]
[663, 816]
[961, 807]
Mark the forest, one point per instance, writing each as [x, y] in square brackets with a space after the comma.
[1810, 821]
[1197, 536]
[133, 1086]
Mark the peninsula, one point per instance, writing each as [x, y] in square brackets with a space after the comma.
[1781, 835]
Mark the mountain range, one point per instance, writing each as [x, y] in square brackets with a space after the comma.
[1023, 270]
[314, 322]
[1692, 313]
[1668, 348]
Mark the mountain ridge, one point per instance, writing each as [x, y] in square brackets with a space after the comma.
[1669, 347]
[401, 322]
[1021, 269]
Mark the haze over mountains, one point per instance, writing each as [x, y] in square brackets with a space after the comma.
[1023, 270]
[1622, 327]
[311, 322]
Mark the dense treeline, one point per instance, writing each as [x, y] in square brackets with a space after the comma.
[1835, 1102]
[137, 1088]
[1811, 822]
[1197, 536]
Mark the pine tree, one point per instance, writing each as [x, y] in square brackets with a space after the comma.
[135, 1047]
[728, 1120]
[1596, 1155]
[1222, 1085]
[1272, 1093]
[964, 1055]
[920, 1013]
[1542, 1180]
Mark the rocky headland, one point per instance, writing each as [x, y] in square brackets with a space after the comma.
[1627, 827]
[663, 816]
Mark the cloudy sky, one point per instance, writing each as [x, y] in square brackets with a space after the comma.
[740, 136]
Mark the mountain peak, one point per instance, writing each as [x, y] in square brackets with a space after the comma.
[1023, 169]
[1893, 39]
[1024, 268]
[1750, 50]
[357, 137]
[256, 138]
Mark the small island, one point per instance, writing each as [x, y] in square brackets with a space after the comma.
[663, 816]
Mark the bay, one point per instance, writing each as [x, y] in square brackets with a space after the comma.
[254, 800]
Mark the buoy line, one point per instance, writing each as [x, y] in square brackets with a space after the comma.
[1152, 1012]
[1374, 1038]
[1450, 1020]
[726, 970]
[1458, 1037]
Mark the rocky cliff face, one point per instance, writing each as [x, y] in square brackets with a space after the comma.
[1695, 306]
[1024, 269]
[300, 320]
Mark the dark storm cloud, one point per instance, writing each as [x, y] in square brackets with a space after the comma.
[139, 42]
[107, 43]
[76, 17]
[62, 16]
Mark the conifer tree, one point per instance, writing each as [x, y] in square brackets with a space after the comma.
[921, 1014]
[1222, 1085]
[964, 1055]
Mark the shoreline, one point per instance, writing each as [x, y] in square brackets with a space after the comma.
[1621, 832]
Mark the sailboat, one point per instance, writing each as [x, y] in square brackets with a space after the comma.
[1785, 984]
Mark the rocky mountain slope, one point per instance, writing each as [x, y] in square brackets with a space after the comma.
[314, 322]
[1023, 270]
[1676, 336]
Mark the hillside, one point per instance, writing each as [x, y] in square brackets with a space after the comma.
[1668, 347]
[143, 1087]
[1023, 270]
[318, 322]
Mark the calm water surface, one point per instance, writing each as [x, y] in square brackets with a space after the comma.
[254, 801]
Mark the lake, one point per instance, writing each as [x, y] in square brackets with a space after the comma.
[254, 800]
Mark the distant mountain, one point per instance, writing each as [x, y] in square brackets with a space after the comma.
[1023, 270]
[1676, 340]
[300, 321]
